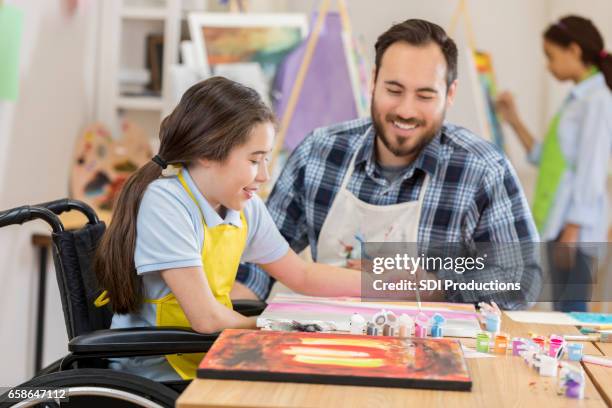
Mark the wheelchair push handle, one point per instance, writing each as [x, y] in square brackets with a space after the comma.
[27, 213]
[65, 204]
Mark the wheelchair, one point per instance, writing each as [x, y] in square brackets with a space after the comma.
[83, 377]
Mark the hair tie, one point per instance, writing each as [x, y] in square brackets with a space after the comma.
[159, 161]
[603, 54]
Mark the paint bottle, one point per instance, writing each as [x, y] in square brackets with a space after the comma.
[380, 318]
[540, 341]
[555, 346]
[437, 321]
[574, 351]
[493, 323]
[420, 325]
[518, 345]
[406, 325]
[548, 366]
[388, 330]
[371, 329]
[501, 343]
[482, 342]
[357, 323]
[391, 318]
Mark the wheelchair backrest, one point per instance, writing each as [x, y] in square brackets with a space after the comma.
[73, 253]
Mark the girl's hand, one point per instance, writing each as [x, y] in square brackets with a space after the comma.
[506, 108]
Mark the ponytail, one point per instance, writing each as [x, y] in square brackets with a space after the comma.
[114, 259]
[605, 66]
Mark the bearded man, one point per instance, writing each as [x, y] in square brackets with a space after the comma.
[403, 175]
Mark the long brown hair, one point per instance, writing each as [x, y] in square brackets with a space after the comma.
[582, 31]
[213, 117]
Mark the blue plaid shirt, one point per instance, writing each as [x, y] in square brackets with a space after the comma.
[473, 196]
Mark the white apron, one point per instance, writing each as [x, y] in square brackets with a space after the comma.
[351, 221]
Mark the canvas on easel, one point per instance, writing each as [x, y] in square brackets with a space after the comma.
[342, 359]
[486, 79]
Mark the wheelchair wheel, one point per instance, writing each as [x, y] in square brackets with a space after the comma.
[92, 388]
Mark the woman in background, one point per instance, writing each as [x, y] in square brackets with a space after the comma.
[570, 203]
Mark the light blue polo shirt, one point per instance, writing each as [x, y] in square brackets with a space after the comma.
[169, 234]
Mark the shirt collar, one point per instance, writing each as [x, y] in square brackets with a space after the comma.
[211, 217]
[427, 160]
[586, 86]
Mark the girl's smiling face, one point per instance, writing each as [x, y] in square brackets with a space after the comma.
[234, 181]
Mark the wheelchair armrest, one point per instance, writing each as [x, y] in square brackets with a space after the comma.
[248, 307]
[141, 341]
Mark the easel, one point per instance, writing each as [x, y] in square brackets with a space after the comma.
[239, 6]
[481, 109]
[301, 75]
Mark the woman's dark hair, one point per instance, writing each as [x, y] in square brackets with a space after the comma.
[582, 31]
[212, 118]
[419, 33]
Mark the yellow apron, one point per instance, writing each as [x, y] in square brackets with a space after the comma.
[221, 253]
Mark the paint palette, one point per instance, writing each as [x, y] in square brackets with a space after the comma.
[102, 164]
[343, 359]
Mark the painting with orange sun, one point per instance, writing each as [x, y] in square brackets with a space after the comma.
[344, 359]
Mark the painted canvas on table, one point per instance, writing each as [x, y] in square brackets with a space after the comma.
[344, 359]
[486, 77]
[461, 319]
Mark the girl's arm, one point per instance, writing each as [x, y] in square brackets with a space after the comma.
[314, 279]
[507, 110]
[203, 311]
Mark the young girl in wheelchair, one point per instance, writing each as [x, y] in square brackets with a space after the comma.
[171, 254]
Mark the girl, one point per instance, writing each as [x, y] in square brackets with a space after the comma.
[570, 200]
[170, 256]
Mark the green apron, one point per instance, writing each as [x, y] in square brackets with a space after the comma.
[552, 167]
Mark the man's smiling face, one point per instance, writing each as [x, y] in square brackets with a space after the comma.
[410, 98]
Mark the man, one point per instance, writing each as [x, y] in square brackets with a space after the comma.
[402, 175]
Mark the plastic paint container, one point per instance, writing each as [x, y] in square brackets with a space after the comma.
[436, 331]
[482, 342]
[501, 343]
[540, 341]
[555, 345]
[574, 351]
[357, 324]
[406, 325]
[420, 331]
[518, 345]
[493, 323]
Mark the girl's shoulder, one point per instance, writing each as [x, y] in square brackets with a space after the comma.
[167, 194]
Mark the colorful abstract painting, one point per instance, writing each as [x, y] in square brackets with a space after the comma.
[266, 39]
[486, 77]
[461, 319]
[343, 359]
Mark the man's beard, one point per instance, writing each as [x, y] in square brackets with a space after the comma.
[398, 150]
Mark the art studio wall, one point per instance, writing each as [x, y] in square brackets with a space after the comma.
[57, 67]
[57, 96]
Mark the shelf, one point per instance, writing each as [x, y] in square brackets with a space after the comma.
[151, 103]
[144, 13]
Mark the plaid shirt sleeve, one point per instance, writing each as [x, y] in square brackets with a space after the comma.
[504, 226]
[286, 206]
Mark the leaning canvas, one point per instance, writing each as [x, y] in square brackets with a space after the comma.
[342, 359]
